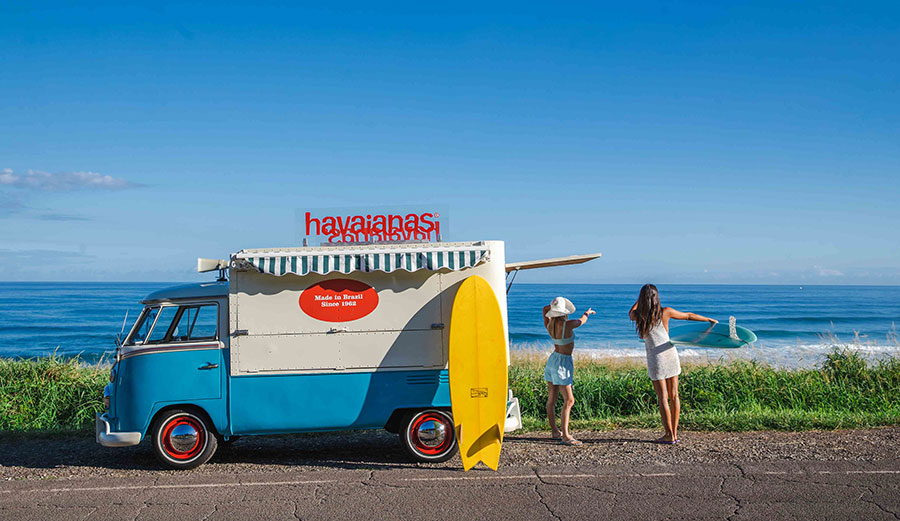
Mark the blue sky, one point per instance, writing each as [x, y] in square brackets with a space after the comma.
[705, 142]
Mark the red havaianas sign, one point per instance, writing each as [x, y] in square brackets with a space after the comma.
[339, 300]
[424, 226]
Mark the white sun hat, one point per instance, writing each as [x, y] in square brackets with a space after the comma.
[560, 306]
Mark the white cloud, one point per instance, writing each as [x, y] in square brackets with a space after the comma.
[63, 181]
[826, 272]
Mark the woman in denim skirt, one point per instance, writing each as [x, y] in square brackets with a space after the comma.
[559, 369]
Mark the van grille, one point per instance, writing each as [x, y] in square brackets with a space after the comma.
[427, 379]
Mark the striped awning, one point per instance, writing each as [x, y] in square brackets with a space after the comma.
[386, 259]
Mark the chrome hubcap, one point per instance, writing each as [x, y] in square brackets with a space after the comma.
[183, 437]
[431, 433]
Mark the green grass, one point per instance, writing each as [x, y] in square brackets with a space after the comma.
[61, 395]
[846, 391]
[49, 394]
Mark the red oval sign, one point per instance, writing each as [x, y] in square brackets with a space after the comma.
[339, 300]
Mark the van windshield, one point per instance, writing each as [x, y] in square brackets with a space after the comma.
[144, 323]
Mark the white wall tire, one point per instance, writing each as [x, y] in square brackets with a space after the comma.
[183, 438]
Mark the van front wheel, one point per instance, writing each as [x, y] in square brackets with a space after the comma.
[429, 436]
[183, 439]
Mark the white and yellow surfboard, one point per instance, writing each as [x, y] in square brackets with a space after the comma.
[478, 373]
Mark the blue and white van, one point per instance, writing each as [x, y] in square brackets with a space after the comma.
[298, 340]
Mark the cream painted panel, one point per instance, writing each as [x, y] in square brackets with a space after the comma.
[392, 349]
[279, 353]
[283, 339]
[269, 304]
[339, 352]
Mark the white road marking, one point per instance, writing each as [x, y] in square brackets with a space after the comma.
[444, 478]
[576, 475]
[542, 476]
[471, 478]
[192, 485]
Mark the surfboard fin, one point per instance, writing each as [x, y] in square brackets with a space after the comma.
[491, 454]
[485, 449]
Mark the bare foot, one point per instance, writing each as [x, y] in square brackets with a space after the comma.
[666, 439]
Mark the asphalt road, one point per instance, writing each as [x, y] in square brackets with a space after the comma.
[322, 479]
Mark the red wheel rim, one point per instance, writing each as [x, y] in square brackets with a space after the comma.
[425, 449]
[194, 450]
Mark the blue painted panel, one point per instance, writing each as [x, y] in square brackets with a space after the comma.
[296, 403]
[148, 382]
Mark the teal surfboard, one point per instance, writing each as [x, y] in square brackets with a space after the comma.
[702, 334]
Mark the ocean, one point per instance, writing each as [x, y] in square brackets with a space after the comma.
[796, 325]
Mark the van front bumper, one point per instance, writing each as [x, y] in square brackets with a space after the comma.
[114, 439]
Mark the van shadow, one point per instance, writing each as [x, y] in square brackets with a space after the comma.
[353, 450]
[590, 441]
[349, 450]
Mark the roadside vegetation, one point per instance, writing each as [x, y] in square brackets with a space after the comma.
[845, 391]
[56, 394]
[49, 394]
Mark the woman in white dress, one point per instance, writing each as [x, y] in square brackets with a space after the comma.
[652, 325]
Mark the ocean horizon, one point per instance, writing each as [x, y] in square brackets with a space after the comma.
[796, 324]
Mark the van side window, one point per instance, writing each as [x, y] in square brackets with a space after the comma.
[196, 323]
[166, 314]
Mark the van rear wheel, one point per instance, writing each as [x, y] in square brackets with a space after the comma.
[183, 438]
[428, 436]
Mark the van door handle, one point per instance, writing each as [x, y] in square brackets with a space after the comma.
[209, 365]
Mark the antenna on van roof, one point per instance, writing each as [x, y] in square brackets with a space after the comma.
[122, 332]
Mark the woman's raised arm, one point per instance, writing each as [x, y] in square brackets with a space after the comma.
[580, 321]
[631, 311]
[678, 315]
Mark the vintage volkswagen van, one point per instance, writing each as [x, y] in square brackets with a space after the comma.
[298, 340]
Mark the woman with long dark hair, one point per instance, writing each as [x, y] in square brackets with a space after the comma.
[651, 321]
[558, 372]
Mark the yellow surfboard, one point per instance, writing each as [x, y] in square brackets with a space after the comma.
[478, 373]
